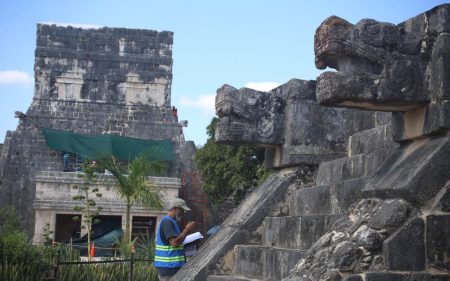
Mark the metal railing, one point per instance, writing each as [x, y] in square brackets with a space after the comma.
[56, 264]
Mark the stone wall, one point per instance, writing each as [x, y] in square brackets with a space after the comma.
[112, 65]
[379, 213]
[91, 81]
[55, 192]
[289, 123]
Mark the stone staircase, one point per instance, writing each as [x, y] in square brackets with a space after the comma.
[312, 210]
[382, 213]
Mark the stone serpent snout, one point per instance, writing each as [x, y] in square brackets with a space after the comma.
[378, 65]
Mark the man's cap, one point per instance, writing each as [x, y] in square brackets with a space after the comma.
[179, 203]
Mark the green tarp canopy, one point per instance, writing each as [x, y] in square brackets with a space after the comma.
[99, 146]
[104, 242]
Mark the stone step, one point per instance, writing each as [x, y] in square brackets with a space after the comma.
[245, 219]
[326, 199]
[263, 262]
[229, 278]
[341, 169]
[296, 232]
[374, 159]
[419, 244]
[370, 140]
[397, 276]
[414, 172]
[313, 200]
[361, 165]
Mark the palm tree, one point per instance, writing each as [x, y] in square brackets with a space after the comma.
[133, 186]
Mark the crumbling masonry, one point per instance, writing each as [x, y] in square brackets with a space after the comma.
[357, 195]
[91, 81]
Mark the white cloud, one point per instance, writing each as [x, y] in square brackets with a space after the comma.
[262, 86]
[15, 77]
[206, 103]
[75, 25]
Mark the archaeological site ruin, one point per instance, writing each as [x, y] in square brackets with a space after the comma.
[105, 89]
[360, 188]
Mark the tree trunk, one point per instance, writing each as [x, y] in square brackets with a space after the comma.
[89, 225]
[128, 222]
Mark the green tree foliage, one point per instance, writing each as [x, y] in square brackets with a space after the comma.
[47, 235]
[133, 185]
[19, 260]
[88, 206]
[14, 244]
[227, 169]
[16, 251]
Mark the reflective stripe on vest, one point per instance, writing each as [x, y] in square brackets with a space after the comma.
[167, 255]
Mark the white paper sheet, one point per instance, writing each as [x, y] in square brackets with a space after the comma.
[192, 237]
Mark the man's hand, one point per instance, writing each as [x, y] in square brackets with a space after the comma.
[190, 226]
[175, 241]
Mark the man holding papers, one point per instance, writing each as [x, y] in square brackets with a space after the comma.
[169, 253]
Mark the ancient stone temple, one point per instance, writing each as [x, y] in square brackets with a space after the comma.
[101, 86]
[361, 188]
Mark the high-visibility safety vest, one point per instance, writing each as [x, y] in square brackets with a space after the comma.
[167, 255]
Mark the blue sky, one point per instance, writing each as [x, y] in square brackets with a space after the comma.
[241, 43]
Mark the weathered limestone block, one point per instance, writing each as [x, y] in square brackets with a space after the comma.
[249, 261]
[264, 109]
[427, 120]
[311, 201]
[138, 68]
[245, 219]
[279, 262]
[346, 256]
[438, 241]
[374, 160]
[354, 247]
[229, 278]
[371, 140]
[294, 232]
[341, 169]
[432, 28]
[353, 277]
[334, 171]
[415, 172]
[265, 263]
[444, 202]
[415, 276]
[405, 249]
[288, 121]
[367, 238]
[326, 199]
[343, 195]
[380, 66]
[390, 213]
[5, 151]
[441, 277]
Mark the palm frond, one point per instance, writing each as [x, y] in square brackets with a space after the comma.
[132, 182]
[149, 197]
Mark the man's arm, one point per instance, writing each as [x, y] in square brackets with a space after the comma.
[176, 241]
